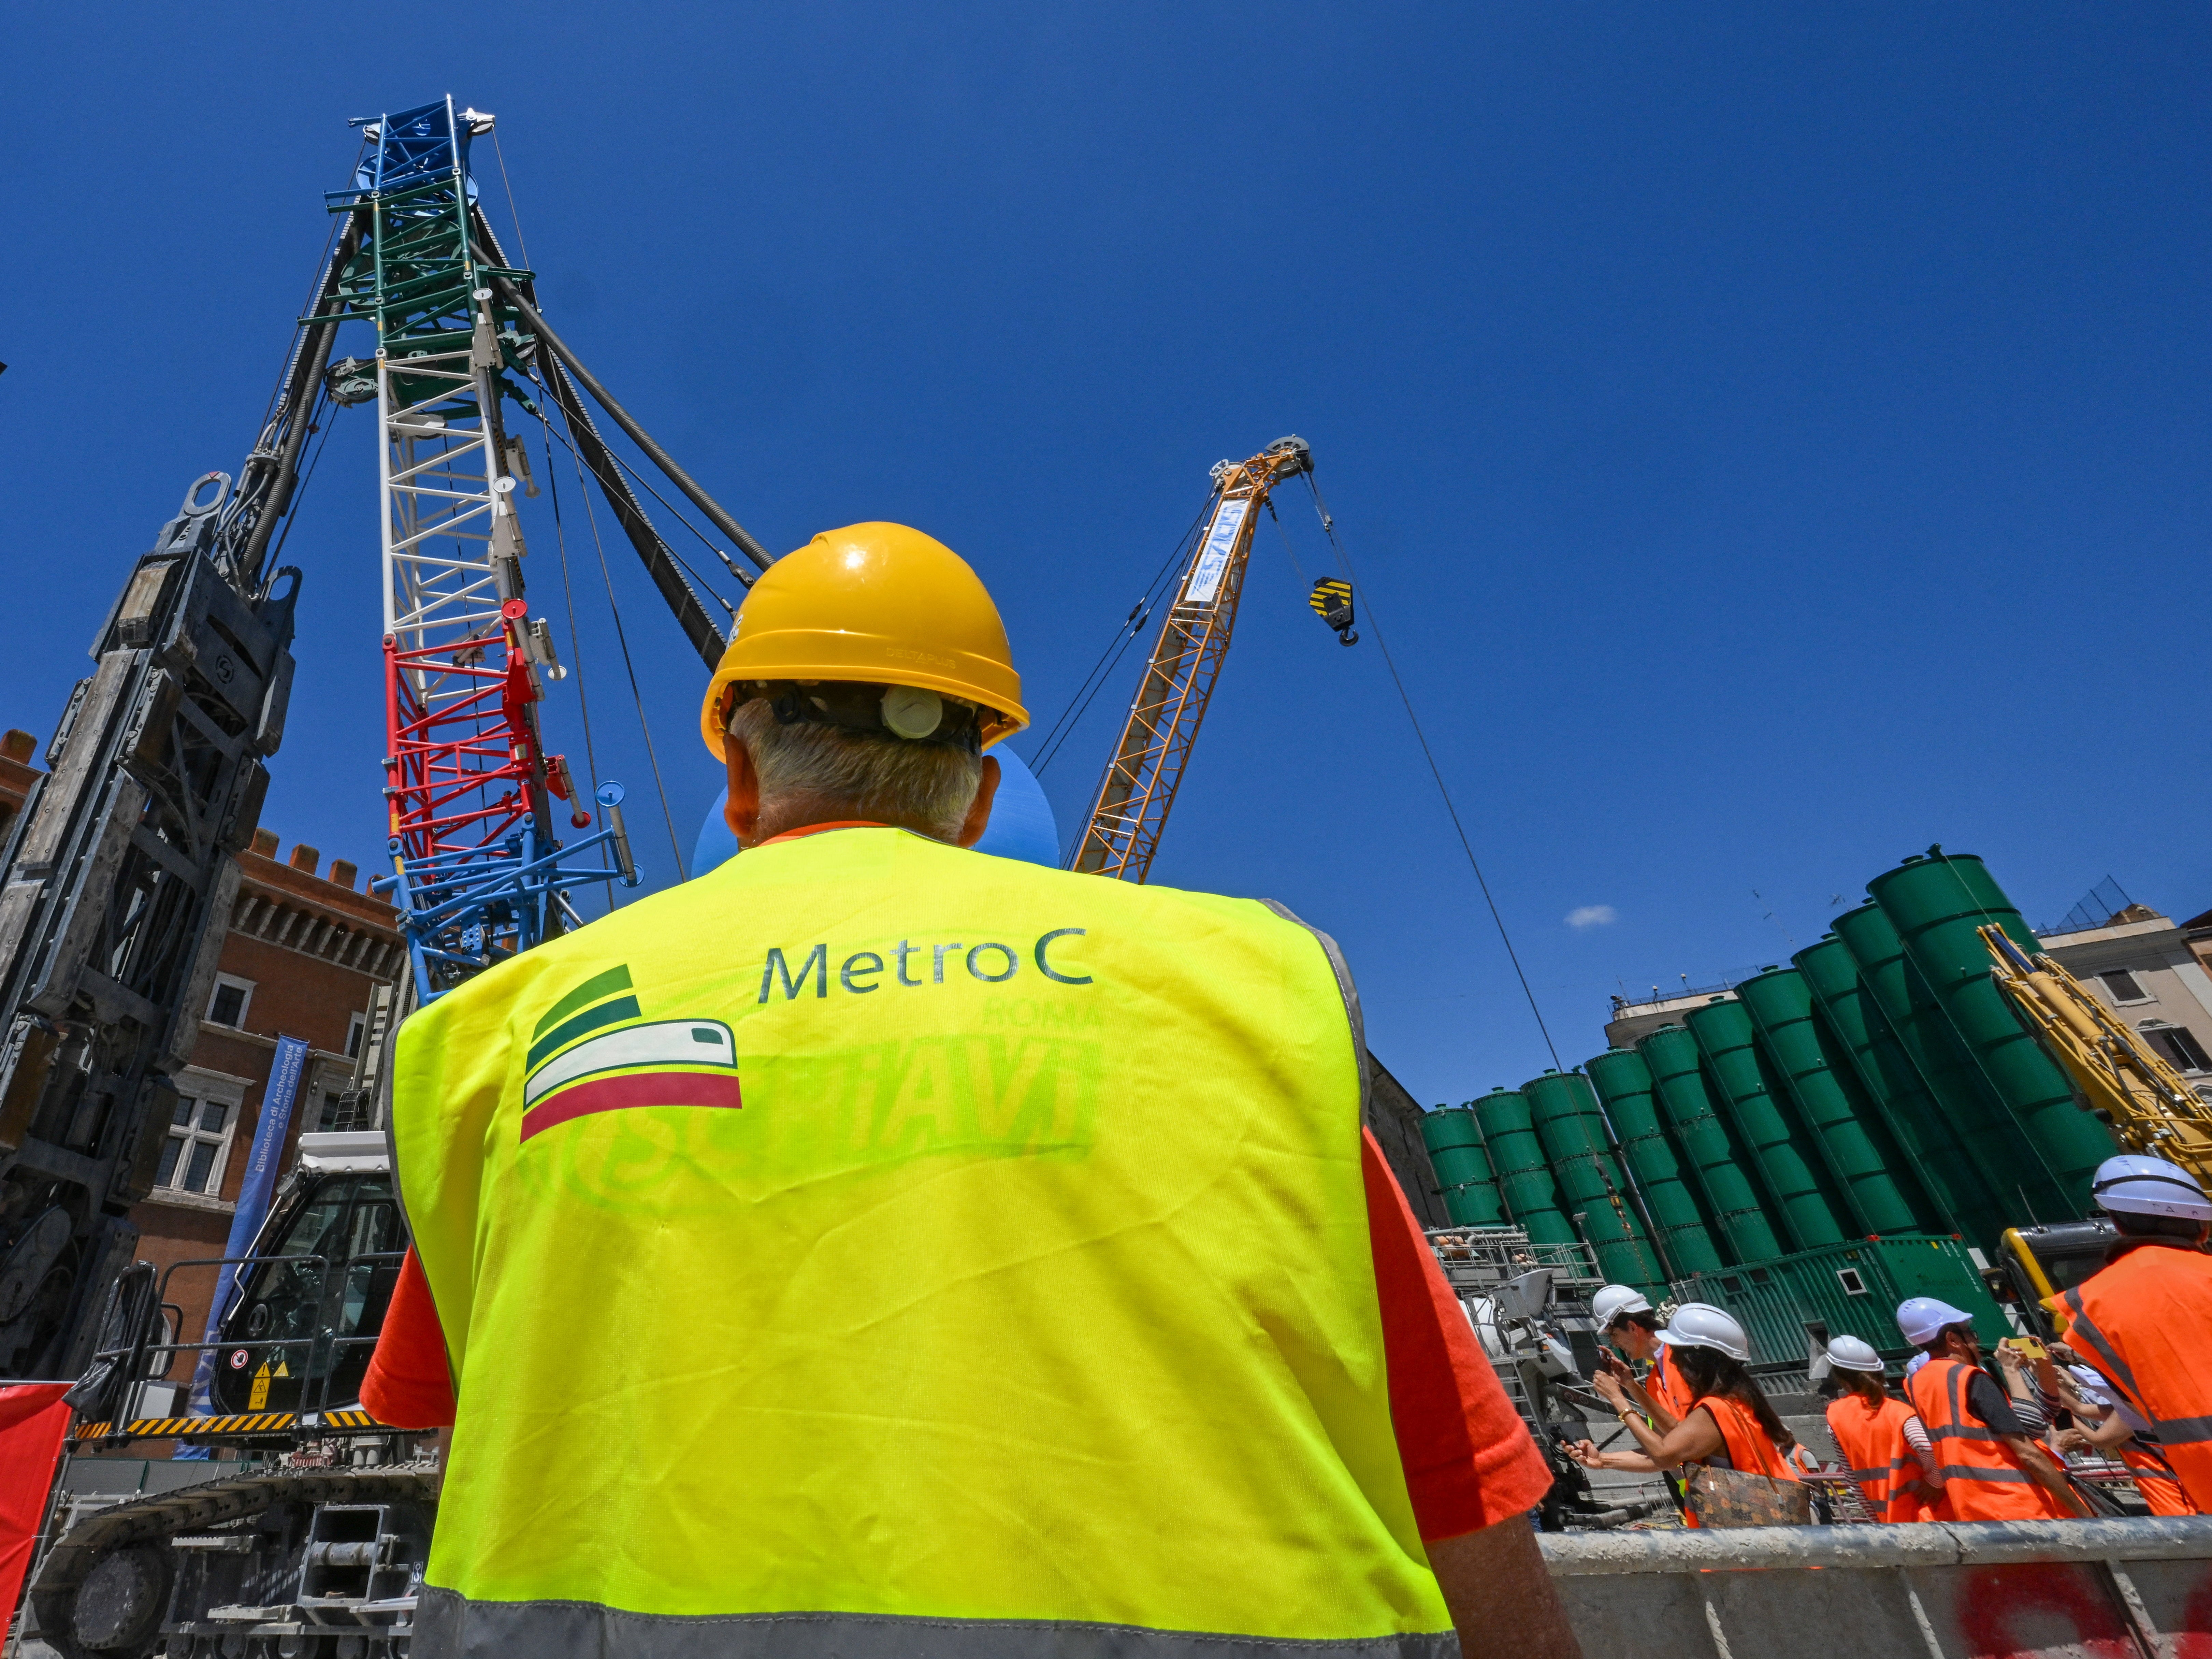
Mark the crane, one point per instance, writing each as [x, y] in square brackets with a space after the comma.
[2144, 1101]
[1129, 812]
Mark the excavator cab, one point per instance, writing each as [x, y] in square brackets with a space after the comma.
[2036, 1265]
[304, 1317]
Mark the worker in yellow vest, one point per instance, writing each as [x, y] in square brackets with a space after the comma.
[874, 1247]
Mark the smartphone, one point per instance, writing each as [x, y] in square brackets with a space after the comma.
[2028, 1347]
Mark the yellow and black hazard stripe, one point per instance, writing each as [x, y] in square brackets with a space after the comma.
[156, 1428]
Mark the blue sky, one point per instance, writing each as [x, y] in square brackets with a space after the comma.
[1770, 439]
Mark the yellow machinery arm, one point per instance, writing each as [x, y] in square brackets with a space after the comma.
[2150, 1105]
[1130, 809]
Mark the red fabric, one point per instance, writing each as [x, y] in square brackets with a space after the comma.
[1469, 1461]
[410, 1383]
[34, 1422]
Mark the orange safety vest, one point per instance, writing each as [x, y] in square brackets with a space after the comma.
[2154, 1481]
[2145, 1325]
[1665, 1385]
[1983, 1480]
[1749, 1450]
[1881, 1460]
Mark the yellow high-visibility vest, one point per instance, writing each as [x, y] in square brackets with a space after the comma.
[875, 1248]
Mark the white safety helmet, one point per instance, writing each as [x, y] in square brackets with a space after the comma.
[1701, 1325]
[1614, 1300]
[2132, 1184]
[1848, 1353]
[1922, 1318]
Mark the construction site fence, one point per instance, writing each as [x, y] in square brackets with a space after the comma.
[2027, 1589]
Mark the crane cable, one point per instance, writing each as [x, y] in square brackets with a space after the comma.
[1078, 704]
[1344, 561]
[614, 607]
[576, 642]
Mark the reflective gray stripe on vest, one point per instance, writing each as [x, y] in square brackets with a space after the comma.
[2184, 1430]
[2117, 1371]
[449, 1626]
[1976, 1471]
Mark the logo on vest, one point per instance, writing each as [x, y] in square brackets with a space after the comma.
[594, 1051]
[990, 963]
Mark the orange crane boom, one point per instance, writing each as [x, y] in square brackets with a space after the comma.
[1130, 811]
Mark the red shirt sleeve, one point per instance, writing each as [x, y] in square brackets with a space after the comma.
[1469, 1461]
[410, 1384]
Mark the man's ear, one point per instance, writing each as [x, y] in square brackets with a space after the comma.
[979, 810]
[741, 810]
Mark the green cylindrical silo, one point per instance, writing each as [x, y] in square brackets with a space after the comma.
[1747, 1100]
[1999, 1154]
[1830, 1102]
[1922, 1129]
[1936, 903]
[1678, 1079]
[1573, 1129]
[1624, 1083]
[1524, 1176]
[1462, 1168]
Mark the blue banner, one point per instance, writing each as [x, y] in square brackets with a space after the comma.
[253, 1196]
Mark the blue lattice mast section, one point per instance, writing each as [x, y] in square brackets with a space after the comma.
[477, 869]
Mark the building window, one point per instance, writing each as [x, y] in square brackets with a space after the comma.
[233, 997]
[1853, 1282]
[355, 1027]
[201, 1126]
[2177, 1047]
[2125, 985]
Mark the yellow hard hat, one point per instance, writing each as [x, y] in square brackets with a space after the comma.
[879, 603]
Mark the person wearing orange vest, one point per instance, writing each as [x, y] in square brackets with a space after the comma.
[2144, 1322]
[1625, 1320]
[1729, 1424]
[2106, 1425]
[1885, 1445]
[1991, 1469]
[810, 1247]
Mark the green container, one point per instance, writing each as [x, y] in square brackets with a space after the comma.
[1936, 903]
[1851, 1289]
[1572, 1128]
[1623, 1082]
[1524, 1177]
[1462, 1168]
[1998, 1160]
[1922, 1129]
[1740, 1227]
[1830, 1102]
[1746, 1099]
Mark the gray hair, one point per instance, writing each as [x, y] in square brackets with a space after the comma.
[872, 774]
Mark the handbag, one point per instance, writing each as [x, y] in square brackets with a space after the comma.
[1730, 1497]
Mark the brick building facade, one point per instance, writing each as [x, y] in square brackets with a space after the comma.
[304, 952]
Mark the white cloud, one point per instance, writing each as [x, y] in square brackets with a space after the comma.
[1592, 915]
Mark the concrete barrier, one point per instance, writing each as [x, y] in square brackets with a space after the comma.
[2027, 1590]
